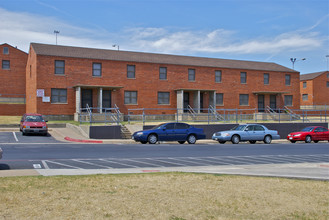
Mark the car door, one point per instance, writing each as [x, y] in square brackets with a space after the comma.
[259, 132]
[325, 134]
[168, 133]
[248, 133]
[317, 134]
[181, 131]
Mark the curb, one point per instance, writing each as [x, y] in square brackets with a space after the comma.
[82, 141]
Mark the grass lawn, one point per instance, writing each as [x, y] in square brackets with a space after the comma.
[172, 196]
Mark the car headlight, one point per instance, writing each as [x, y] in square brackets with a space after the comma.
[139, 133]
[297, 135]
[26, 126]
[225, 134]
[44, 126]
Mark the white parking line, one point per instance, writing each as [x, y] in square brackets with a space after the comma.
[127, 165]
[137, 161]
[62, 164]
[44, 164]
[15, 136]
[93, 164]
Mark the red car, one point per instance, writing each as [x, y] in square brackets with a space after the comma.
[308, 134]
[34, 124]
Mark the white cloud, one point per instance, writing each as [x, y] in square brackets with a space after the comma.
[19, 29]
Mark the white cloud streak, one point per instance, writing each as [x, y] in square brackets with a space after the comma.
[19, 29]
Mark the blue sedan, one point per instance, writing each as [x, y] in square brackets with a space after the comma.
[246, 132]
[180, 132]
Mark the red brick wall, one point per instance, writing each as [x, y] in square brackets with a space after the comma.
[320, 90]
[12, 80]
[317, 90]
[12, 109]
[147, 83]
[31, 82]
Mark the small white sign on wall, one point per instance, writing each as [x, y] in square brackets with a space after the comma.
[46, 99]
[40, 92]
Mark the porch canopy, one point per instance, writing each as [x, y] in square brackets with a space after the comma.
[100, 88]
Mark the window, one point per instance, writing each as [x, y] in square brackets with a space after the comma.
[305, 97]
[163, 98]
[191, 74]
[6, 64]
[328, 75]
[163, 73]
[288, 78]
[304, 84]
[130, 97]
[58, 96]
[218, 76]
[243, 77]
[258, 128]
[327, 84]
[131, 71]
[266, 78]
[97, 69]
[60, 67]
[182, 126]
[170, 126]
[244, 99]
[288, 100]
[219, 98]
[5, 50]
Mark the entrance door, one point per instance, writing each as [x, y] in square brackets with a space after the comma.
[273, 102]
[201, 102]
[106, 99]
[261, 105]
[86, 98]
[186, 100]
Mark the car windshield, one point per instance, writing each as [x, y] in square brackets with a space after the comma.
[34, 118]
[308, 129]
[239, 128]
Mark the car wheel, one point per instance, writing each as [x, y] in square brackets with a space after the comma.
[143, 142]
[152, 139]
[191, 139]
[235, 139]
[316, 141]
[181, 142]
[252, 142]
[267, 139]
[221, 142]
[23, 133]
[308, 139]
[293, 142]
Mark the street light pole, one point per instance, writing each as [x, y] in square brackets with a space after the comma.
[293, 60]
[115, 45]
[56, 32]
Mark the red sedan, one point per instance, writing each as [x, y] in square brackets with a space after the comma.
[308, 134]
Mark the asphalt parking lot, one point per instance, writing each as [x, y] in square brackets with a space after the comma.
[17, 137]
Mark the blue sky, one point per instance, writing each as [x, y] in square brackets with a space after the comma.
[256, 30]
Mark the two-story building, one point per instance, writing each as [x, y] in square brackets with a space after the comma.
[314, 90]
[12, 79]
[60, 80]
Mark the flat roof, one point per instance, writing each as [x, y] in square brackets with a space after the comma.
[142, 57]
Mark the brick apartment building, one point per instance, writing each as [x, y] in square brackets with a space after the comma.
[314, 89]
[60, 80]
[12, 78]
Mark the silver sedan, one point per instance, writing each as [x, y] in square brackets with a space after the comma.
[246, 132]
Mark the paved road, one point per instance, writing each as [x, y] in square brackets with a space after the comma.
[38, 152]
